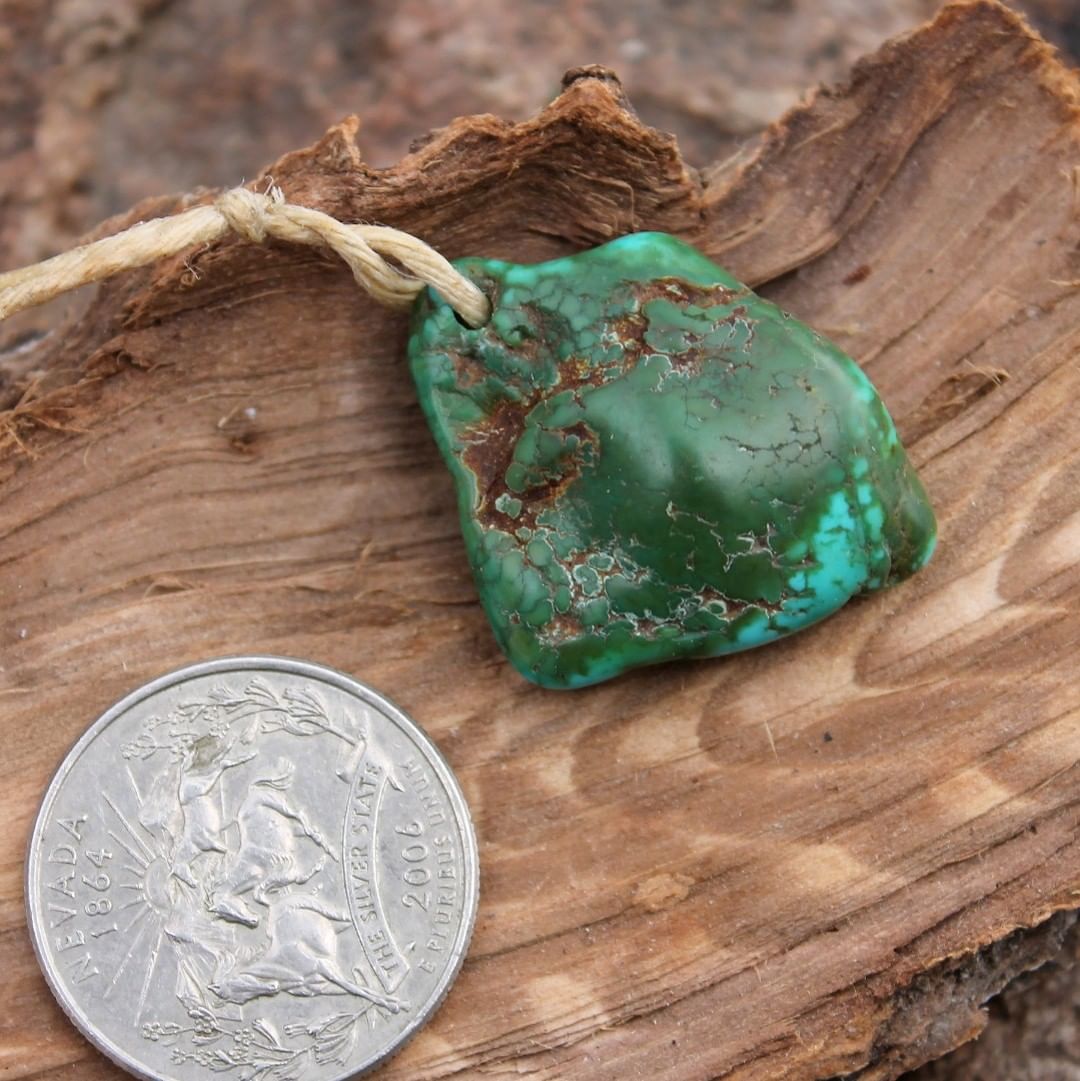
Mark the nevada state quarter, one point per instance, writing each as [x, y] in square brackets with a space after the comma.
[256, 869]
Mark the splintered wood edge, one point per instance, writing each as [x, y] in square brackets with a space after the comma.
[943, 1007]
[930, 1002]
[795, 172]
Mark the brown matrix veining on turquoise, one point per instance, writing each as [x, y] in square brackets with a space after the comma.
[652, 462]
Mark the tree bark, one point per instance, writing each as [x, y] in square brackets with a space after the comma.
[812, 860]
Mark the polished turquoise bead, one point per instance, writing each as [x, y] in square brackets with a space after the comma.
[652, 462]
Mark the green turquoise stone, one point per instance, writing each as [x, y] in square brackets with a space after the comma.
[654, 463]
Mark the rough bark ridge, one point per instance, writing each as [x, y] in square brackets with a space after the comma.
[749, 868]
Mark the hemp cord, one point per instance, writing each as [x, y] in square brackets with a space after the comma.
[255, 217]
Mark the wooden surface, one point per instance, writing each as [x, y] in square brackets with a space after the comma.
[810, 860]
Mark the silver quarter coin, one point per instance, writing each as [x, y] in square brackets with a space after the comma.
[255, 868]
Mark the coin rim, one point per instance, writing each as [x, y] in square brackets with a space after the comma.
[291, 666]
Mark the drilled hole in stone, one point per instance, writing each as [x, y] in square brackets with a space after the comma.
[491, 308]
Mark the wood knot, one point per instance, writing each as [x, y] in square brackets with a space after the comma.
[662, 891]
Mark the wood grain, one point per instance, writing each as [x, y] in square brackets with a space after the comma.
[761, 867]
